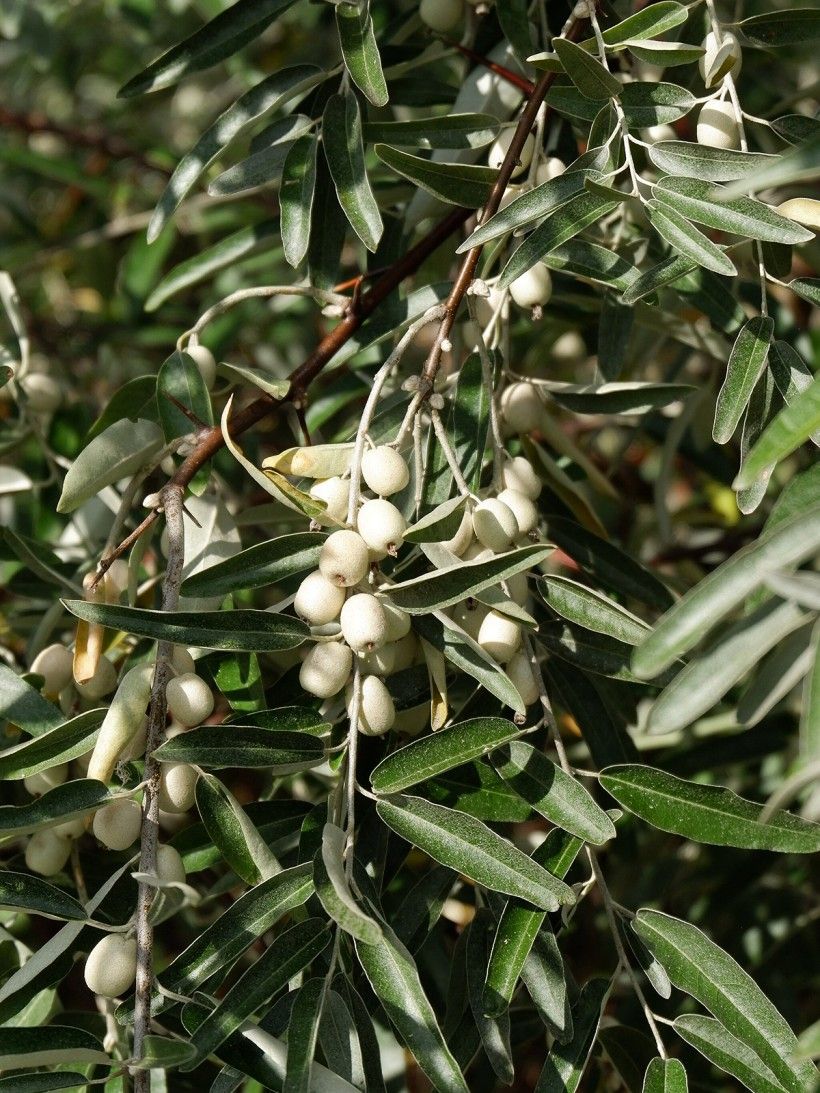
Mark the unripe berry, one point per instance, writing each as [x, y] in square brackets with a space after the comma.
[413, 721]
[376, 710]
[318, 601]
[325, 669]
[495, 525]
[54, 664]
[717, 126]
[118, 824]
[398, 621]
[43, 392]
[177, 787]
[519, 670]
[170, 867]
[384, 470]
[469, 615]
[71, 829]
[405, 651]
[548, 169]
[509, 195]
[519, 474]
[476, 552]
[499, 636]
[344, 558]
[101, 683]
[499, 150]
[182, 661]
[382, 527]
[533, 288]
[45, 780]
[712, 46]
[522, 508]
[655, 133]
[803, 210]
[363, 622]
[380, 662]
[205, 361]
[569, 348]
[47, 852]
[190, 699]
[521, 407]
[441, 15]
[122, 721]
[335, 492]
[463, 537]
[486, 307]
[111, 966]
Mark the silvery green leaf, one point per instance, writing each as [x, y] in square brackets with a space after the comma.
[122, 449]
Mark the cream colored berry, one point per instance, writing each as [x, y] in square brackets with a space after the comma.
[177, 787]
[655, 133]
[519, 670]
[344, 558]
[182, 661]
[487, 306]
[335, 492]
[569, 348]
[118, 824]
[414, 721]
[463, 537]
[376, 710]
[475, 551]
[190, 699]
[382, 527]
[71, 829]
[521, 407]
[54, 664]
[499, 636]
[548, 169]
[522, 508]
[712, 46]
[441, 15]
[325, 669]
[519, 474]
[495, 525]
[533, 288]
[170, 867]
[498, 151]
[44, 780]
[363, 622]
[717, 126]
[205, 362]
[405, 652]
[47, 852]
[123, 720]
[398, 621]
[43, 392]
[469, 615]
[111, 966]
[384, 470]
[380, 662]
[101, 683]
[518, 588]
[803, 210]
[318, 601]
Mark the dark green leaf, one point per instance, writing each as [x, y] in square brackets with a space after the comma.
[665, 1076]
[586, 72]
[65, 802]
[456, 183]
[179, 381]
[68, 741]
[33, 894]
[649, 22]
[680, 157]
[233, 832]
[137, 398]
[296, 197]
[566, 1063]
[117, 452]
[793, 426]
[808, 288]
[440, 524]
[342, 136]
[219, 746]
[746, 363]
[260, 565]
[447, 131]
[646, 104]
[720, 1047]
[303, 1032]
[589, 262]
[494, 1031]
[334, 891]
[687, 240]
[251, 631]
[265, 165]
[360, 52]
[477, 790]
[588, 650]
[592, 610]
[24, 706]
[705, 203]
[51, 1045]
[789, 27]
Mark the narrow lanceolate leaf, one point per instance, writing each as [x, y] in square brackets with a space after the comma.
[284, 958]
[24, 706]
[65, 802]
[746, 363]
[664, 54]
[703, 607]
[466, 844]
[342, 136]
[456, 183]
[494, 1031]
[794, 425]
[566, 1063]
[68, 741]
[38, 897]
[650, 22]
[264, 564]
[706, 813]
[566, 222]
[431, 755]
[687, 240]
[656, 277]
[707, 678]
[681, 157]
[589, 262]
[393, 975]
[218, 746]
[655, 103]
[303, 1032]
[179, 382]
[588, 650]
[789, 27]
[544, 975]
[296, 197]
[592, 610]
[248, 631]
[707, 204]
[434, 591]
[334, 891]
[552, 792]
[221, 38]
[230, 829]
[617, 398]
[51, 1045]
[665, 1076]
[440, 524]
[699, 967]
[360, 52]
[720, 1047]
[230, 935]
[120, 450]
[587, 73]
[449, 131]
[264, 166]
[262, 99]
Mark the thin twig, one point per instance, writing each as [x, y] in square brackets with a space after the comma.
[171, 497]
